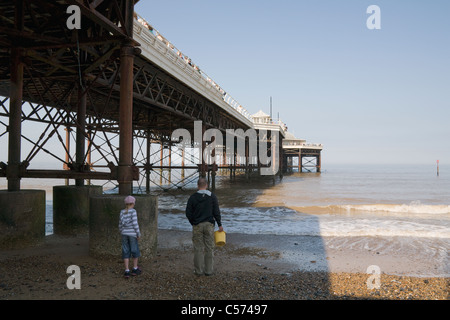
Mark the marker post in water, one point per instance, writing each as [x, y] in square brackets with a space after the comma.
[437, 162]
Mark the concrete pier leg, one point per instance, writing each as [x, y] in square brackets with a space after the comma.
[104, 235]
[71, 208]
[22, 218]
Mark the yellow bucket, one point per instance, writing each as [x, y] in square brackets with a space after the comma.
[220, 238]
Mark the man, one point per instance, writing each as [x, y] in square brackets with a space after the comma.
[202, 211]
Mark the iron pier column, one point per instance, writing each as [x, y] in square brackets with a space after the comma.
[300, 161]
[125, 170]
[15, 120]
[203, 165]
[81, 128]
[147, 163]
[319, 162]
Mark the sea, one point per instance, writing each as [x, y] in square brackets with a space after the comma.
[343, 200]
[352, 202]
[400, 211]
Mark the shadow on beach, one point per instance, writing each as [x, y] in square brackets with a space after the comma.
[254, 238]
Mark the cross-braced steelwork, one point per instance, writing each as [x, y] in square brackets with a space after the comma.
[98, 106]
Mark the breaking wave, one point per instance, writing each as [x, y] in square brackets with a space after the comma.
[415, 207]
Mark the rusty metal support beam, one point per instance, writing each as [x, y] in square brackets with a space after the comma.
[67, 174]
[15, 109]
[15, 121]
[125, 175]
[319, 162]
[203, 165]
[153, 167]
[65, 166]
[97, 17]
[128, 13]
[81, 132]
[147, 161]
[300, 160]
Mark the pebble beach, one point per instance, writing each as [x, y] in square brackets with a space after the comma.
[243, 271]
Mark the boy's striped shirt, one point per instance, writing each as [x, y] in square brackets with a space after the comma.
[128, 223]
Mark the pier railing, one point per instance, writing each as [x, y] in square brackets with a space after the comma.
[302, 144]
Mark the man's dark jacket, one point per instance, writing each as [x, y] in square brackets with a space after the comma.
[203, 206]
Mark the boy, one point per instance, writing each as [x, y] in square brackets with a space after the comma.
[129, 228]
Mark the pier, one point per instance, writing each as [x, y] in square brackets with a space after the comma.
[104, 102]
[300, 156]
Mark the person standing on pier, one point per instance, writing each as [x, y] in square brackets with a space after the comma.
[202, 211]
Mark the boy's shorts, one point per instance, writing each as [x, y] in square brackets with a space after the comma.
[130, 247]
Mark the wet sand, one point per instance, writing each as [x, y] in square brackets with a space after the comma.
[256, 267]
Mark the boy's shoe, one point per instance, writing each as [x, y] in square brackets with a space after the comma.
[136, 272]
[126, 274]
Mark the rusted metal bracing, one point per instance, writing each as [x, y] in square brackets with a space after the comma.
[102, 110]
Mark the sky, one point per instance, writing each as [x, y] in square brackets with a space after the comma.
[369, 96]
[378, 96]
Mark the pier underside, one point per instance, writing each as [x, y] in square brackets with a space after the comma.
[90, 106]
